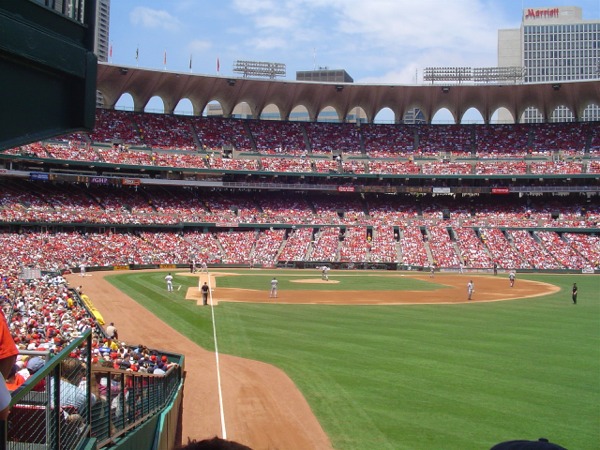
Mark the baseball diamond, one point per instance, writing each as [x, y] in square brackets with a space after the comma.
[408, 261]
[259, 396]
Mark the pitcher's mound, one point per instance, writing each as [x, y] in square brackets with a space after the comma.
[314, 281]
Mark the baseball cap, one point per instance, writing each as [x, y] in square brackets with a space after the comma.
[35, 364]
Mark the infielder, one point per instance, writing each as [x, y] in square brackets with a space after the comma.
[274, 283]
[470, 289]
[169, 280]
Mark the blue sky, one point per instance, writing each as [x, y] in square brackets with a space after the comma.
[376, 41]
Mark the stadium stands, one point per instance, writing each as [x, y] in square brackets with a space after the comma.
[352, 225]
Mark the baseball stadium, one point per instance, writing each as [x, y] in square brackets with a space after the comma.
[291, 284]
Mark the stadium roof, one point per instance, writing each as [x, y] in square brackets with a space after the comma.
[171, 87]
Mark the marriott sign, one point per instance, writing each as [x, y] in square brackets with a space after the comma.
[541, 13]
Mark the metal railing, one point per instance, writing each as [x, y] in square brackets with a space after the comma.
[93, 402]
[127, 399]
[51, 409]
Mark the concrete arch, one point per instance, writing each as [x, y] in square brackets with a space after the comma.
[156, 105]
[125, 102]
[385, 115]
[443, 116]
[472, 115]
[270, 112]
[329, 114]
[184, 107]
[299, 113]
[144, 84]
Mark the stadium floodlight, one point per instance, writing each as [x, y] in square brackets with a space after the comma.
[512, 74]
[259, 69]
[448, 74]
[475, 75]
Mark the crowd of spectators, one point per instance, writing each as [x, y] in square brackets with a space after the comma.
[412, 246]
[274, 137]
[354, 166]
[384, 245]
[563, 136]
[433, 139]
[587, 245]
[203, 247]
[294, 165]
[166, 131]
[237, 246]
[562, 251]
[117, 205]
[393, 167]
[502, 140]
[503, 253]
[386, 141]
[471, 249]
[267, 247]
[44, 315]
[325, 165]
[278, 138]
[420, 244]
[356, 245]
[120, 155]
[329, 138]
[535, 254]
[108, 208]
[115, 126]
[325, 245]
[297, 244]
[215, 133]
[442, 248]
[142, 139]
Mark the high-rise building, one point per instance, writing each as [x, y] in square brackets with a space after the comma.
[76, 11]
[553, 45]
[101, 42]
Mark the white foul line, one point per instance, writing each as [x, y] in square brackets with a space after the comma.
[221, 411]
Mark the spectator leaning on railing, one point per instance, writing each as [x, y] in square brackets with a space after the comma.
[8, 357]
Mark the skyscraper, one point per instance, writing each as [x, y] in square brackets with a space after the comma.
[553, 45]
[101, 42]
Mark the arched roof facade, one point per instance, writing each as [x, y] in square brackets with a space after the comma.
[171, 87]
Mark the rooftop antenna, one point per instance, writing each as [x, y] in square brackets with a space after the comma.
[315, 57]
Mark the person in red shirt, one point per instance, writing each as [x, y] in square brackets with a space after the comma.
[8, 357]
[14, 379]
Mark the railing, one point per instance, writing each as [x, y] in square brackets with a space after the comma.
[35, 420]
[93, 402]
[127, 399]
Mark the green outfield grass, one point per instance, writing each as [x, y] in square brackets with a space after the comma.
[416, 377]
